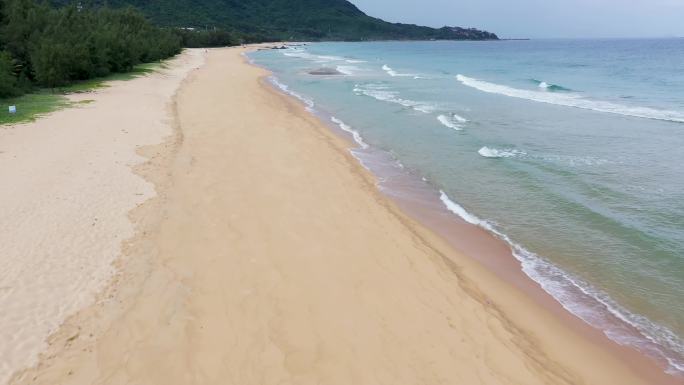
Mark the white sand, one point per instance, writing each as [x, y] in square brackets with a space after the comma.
[67, 186]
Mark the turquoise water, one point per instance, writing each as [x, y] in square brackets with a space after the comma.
[570, 150]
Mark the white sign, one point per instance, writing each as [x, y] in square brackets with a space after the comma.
[12, 109]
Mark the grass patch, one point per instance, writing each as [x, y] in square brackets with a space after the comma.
[93, 84]
[41, 102]
[30, 106]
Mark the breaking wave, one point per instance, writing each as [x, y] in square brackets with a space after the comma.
[452, 121]
[308, 102]
[488, 152]
[347, 70]
[590, 304]
[393, 73]
[303, 54]
[383, 93]
[355, 134]
[548, 86]
[570, 99]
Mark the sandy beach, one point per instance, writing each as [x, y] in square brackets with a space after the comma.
[67, 189]
[197, 227]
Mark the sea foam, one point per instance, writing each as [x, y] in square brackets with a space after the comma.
[348, 70]
[452, 121]
[489, 152]
[391, 72]
[283, 87]
[577, 296]
[545, 86]
[383, 93]
[585, 301]
[462, 213]
[355, 134]
[303, 54]
[570, 99]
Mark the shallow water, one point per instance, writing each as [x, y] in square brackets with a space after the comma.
[570, 150]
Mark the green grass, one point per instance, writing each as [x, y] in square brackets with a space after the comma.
[93, 84]
[31, 106]
[34, 105]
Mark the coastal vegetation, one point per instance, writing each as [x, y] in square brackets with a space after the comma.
[29, 106]
[41, 101]
[47, 47]
[62, 42]
[62, 45]
[285, 20]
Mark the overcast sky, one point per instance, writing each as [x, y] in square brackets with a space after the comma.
[540, 18]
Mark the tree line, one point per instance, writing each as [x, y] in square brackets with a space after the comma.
[44, 46]
[293, 20]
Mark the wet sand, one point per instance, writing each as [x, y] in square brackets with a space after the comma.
[269, 256]
[416, 197]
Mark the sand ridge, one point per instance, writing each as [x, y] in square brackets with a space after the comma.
[276, 260]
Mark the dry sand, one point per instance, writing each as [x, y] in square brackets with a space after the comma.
[269, 257]
[66, 190]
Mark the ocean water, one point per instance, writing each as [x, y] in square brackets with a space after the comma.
[572, 151]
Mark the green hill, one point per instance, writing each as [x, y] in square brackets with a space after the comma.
[287, 20]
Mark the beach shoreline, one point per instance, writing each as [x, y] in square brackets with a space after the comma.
[420, 200]
[232, 274]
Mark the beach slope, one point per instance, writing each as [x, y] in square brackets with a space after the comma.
[275, 260]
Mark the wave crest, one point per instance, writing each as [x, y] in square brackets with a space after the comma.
[570, 99]
[301, 53]
[488, 152]
[355, 134]
[283, 87]
[573, 293]
[383, 93]
[549, 86]
[391, 72]
[452, 121]
[347, 70]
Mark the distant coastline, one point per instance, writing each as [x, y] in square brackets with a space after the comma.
[256, 21]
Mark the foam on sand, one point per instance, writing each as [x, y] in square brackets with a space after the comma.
[355, 134]
[587, 302]
[570, 99]
[283, 87]
[461, 212]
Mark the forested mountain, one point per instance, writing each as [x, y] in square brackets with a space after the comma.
[50, 45]
[285, 20]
